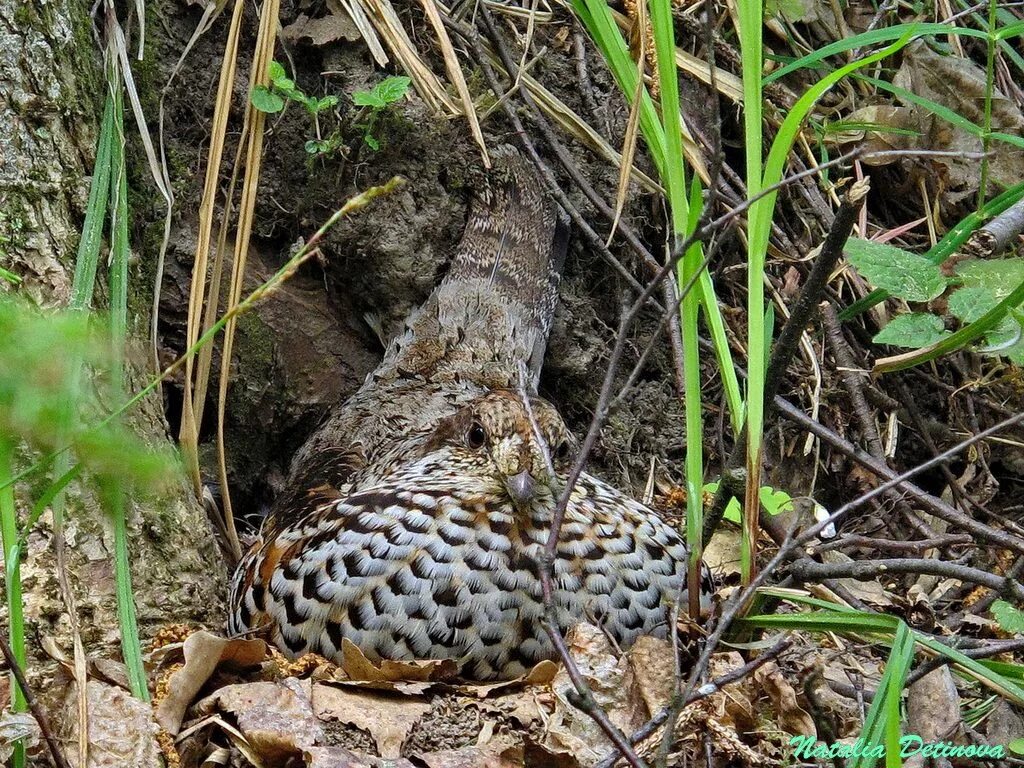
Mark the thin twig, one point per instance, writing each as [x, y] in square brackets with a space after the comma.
[56, 755]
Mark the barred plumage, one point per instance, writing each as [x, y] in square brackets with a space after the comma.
[435, 553]
[414, 522]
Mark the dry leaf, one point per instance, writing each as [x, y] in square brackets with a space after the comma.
[959, 84]
[722, 553]
[541, 674]
[386, 718]
[122, 730]
[933, 707]
[651, 661]
[276, 719]
[497, 753]
[204, 651]
[792, 718]
[339, 757]
[337, 25]
[867, 591]
[614, 688]
[15, 726]
[355, 664]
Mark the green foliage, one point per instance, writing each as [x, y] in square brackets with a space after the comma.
[375, 101]
[774, 501]
[282, 88]
[47, 404]
[914, 330]
[271, 99]
[387, 91]
[903, 274]
[1009, 618]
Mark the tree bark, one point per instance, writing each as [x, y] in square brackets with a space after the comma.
[51, 94]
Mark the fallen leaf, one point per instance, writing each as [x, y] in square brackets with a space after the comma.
[651, 661]
[542, 673]
[355, 664]
[339, 757]
[337, 25]
[613, 686]
[959, 84]
[276, 719]
[792, 717]
[204, 652]
[867, 591]
[386, 718]
[122, 730]
[16, 726]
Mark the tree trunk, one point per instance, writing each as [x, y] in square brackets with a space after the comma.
[51, 92]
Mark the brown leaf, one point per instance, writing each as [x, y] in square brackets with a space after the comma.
[497, 753]
[335, 26]
[958, 83]
[339, 757]
[203, 651]
[541, 674]
[386, 718]
[276, 719]
[358, 667]
[122, 730]
[792, 718]
[614, 688]
[651, 662]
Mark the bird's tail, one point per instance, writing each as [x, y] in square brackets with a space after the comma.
[515, 241]
[491, 314]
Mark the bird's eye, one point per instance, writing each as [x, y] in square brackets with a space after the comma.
[476, 436]
[562, 450]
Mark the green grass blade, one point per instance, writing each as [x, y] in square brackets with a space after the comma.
[875, 36]
[12, 560]
[882, 723]
[95, 215]
[984, 672]
[943, 112]
[130, 645]
[827, 621]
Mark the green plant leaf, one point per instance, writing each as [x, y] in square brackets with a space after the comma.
[327, 102]
[1016, 746]
[970, 303]
[391, 89]
[371, 142]
[915, 330]
[368, 99]
[997, 276]
[1010, 619]
[775, 501]
[903, 274]
[275, 71]
[266, 100]
[950, 242]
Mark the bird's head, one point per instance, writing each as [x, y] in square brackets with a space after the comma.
[523, 447]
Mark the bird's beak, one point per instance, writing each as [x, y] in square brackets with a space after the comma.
[521, 488]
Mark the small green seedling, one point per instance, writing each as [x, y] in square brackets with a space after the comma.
[375, 101]
[1009, 617]
[272, 98]
[773, 500]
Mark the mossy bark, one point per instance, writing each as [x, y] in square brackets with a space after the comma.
[51, 93]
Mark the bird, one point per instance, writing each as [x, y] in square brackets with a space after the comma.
[414, 522]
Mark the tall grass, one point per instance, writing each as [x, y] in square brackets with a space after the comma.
[12, 581]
